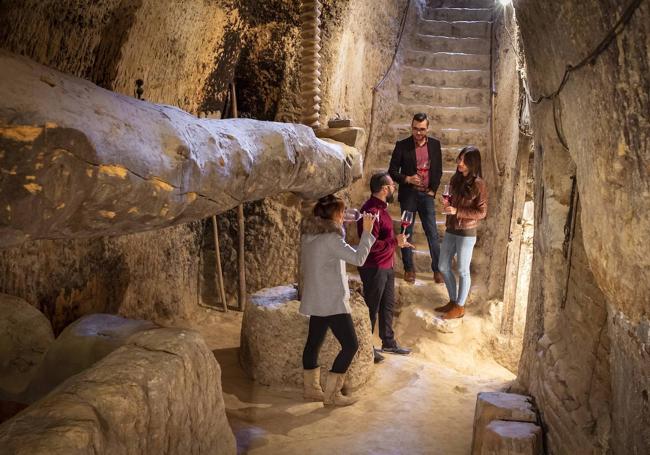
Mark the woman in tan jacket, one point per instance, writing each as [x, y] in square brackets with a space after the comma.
[467, 206]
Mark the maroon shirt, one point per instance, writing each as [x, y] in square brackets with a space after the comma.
[383, 250]
[422, 161]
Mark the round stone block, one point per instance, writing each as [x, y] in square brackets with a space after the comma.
[274, 333]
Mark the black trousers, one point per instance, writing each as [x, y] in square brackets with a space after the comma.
[379, 294]
[343, 329]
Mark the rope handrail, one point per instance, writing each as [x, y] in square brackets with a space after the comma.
[376, 88]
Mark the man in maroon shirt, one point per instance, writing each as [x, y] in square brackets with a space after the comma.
[377, 272]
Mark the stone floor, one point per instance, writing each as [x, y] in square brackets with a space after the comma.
[421, 404]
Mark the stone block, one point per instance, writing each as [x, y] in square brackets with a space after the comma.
[79, 346]
[274, 333]
[339, 123]
[349, 135]
[25, 337]
[158, 393]
[511, 438]
[492, 406]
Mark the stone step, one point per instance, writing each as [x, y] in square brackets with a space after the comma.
[446, 60]
[457, 29]
[444, 96]
[459, 3]
[447, 136]
[457, 13]
[446, 78]
[432, 43]
[453, 117]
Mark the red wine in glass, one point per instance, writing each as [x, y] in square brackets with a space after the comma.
[446, 196]
[407, 219]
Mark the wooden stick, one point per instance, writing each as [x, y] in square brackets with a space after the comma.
[218, 272]
[240, 257]
[240, 221]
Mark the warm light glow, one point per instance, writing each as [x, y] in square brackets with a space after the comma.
[505, 2]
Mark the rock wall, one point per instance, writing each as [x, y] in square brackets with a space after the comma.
[186, 53]
[586, 357]
[170, 45]
[151, 275]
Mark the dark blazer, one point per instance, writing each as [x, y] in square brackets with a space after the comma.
[403, 163]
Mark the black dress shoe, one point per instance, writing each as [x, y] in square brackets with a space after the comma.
[396, 350]
[378, 357]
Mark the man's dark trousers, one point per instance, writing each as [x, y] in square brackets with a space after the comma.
[426, 210]
[379, 294]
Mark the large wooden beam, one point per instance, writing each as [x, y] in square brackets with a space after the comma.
[80, 161]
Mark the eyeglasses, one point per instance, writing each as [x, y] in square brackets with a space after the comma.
[419, 130]
[390, 184]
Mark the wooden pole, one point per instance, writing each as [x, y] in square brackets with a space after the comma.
[240, 257]
[218, 271]
[240, 222]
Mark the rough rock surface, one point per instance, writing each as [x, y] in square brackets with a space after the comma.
[25, 337]
[80, 161]
[159, 393]
[79, 346]
[589, 375]
[512, 438]
[493, 406]
[274, 334]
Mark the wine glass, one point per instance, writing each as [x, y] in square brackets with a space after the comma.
[422, 170]
[351, 215]
[407, 219]
[446, 197]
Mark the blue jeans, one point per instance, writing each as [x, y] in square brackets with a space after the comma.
[427, 211]
[462, 247]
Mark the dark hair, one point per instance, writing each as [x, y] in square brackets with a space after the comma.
[420, 117]
[465, 186]
[328, 206]
[378, 180]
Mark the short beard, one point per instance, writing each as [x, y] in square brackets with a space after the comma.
[390, 198]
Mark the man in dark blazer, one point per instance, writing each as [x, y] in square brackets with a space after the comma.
[416, 164]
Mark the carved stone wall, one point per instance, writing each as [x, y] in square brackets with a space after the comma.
[586, 356]
[186, 53]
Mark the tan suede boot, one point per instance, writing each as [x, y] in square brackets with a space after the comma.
[333, 395]
[311, 385]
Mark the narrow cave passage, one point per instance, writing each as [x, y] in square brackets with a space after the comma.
[159, 167]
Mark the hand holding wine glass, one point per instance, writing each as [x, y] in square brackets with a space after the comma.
[368, 222]
[407, 219]
[446, 199]
[402, 241]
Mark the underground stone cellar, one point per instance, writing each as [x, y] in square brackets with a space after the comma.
[158, 160]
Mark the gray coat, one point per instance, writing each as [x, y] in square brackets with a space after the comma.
[322, 265]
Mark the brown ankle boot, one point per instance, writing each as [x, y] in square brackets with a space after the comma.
[446, 307]
[455, 312]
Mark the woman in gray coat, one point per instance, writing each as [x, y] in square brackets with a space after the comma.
[325, 294]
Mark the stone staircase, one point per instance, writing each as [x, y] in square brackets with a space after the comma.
[445, 73]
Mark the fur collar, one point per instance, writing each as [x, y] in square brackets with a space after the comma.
[314, 225]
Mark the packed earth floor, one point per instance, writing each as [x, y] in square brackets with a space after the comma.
[417, 404]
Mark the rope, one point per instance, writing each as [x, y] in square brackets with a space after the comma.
[616, 30]
[593, 55]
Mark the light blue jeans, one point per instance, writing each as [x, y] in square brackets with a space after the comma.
[462, 247]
